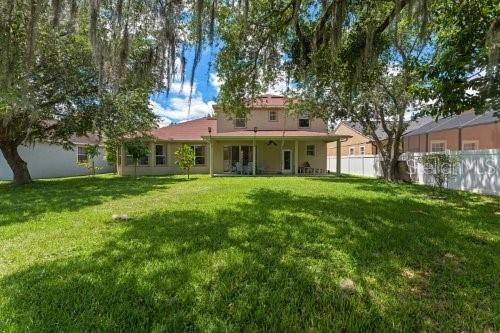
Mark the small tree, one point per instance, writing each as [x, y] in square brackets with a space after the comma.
[92, 152]
[440, 166]
[138, 149]
[185, 158]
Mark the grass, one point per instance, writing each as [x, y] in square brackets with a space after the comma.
[246, 254]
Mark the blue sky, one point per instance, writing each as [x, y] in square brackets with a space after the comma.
[174, 106]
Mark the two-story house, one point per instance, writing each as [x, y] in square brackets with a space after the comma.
[266, 141]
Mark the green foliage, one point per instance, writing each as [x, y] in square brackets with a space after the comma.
[185, 158]
[441, 166]
[137, 148]
[92, 152]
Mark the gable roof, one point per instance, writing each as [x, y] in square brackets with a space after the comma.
[191, 130]
[458, 121]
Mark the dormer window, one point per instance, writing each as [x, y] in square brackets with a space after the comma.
[273, 115]
[304, 122]
[240, 123]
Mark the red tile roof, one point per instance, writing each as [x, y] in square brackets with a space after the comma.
[191, 130]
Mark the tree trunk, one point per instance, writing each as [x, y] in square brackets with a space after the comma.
[16, 163]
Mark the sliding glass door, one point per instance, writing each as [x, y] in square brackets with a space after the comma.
[238, 158]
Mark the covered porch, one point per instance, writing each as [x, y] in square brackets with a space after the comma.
[264, 153]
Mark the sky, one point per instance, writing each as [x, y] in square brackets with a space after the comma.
[174, 107]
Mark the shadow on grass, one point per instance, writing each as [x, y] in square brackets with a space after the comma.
[22, 203]
[272, 262]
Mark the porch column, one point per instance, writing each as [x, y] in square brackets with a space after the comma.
[211, 159]
[296, 158]
[254, 158]
[339, 157]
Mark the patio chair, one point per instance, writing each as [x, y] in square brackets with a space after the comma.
[239, 168]
[249, 170]
[305, 168]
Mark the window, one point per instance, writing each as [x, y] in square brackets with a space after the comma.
[143, 161]
[199, 155]
[240, 123]
[362, 150]
[273, 116]
[161, 156]
[470, 145]
[82, 155]
[304, 121]
[438, 146]
[311, 150]
[351, 151]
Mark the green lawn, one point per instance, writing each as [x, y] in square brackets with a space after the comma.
[253, 254]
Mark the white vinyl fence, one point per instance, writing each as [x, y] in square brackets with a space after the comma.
[361, 165]
[478, 170]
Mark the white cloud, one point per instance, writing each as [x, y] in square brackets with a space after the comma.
[216, 81]
[178, 109]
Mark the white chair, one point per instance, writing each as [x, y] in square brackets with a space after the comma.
[250, 168]
[239, 169]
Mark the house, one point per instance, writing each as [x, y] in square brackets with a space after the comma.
[52, 161]
[266, 141]
[466, 131]
[359, 143]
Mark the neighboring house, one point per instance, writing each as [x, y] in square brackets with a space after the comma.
[276, 142]
[466, 131]
[52, 161]
[359, 143]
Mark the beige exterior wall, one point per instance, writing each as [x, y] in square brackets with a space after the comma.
[487, 136]
[169, 168]
[260, 118]
[269, 157]
[358, 140]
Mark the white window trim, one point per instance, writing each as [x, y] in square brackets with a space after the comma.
[364, 150]
[236, 119]
[475, 142]
[438, 142]
[78, 154]
[302, 118]
[204, 155]
[314, 150]
[269, 115]
[353, 149]
[164, 155]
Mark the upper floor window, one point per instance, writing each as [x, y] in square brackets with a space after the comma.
[82, 155]
[304, 121]
[311, 150]
[273, 115]
[160, 154]
[351, 151]
[438, 146]
[240, 123]
[199, 155]
[362, 150]
[470, 145]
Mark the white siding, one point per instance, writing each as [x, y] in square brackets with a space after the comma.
[52, 161]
